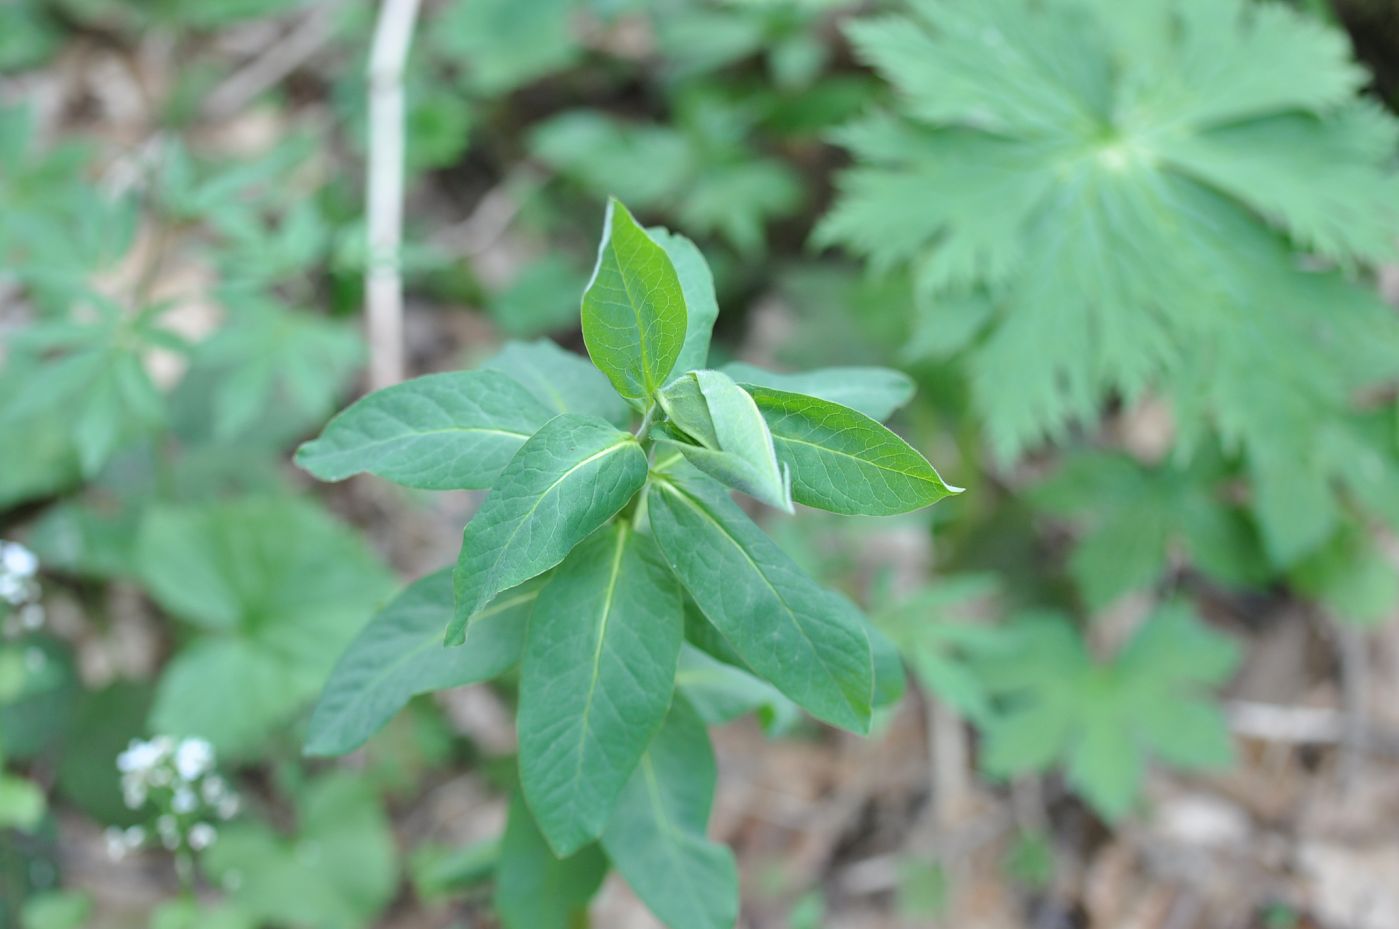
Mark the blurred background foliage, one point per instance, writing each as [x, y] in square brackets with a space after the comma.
[1138, 258]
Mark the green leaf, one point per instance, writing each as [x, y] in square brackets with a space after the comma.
[735, 445]
[656, 837]
[598, 672]
[22, 803]
[634, 318]
[876, 392]
[438, 432]
[721, 692]
[564, 483]
[701, 304]
[561, 380]
[803, 639]
[400, 655]
[535, 890]
[278, 588]
[845, 462]
[338, 869]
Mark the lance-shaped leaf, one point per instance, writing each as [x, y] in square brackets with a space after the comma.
[806, 641]
[439, 432]
[845, 462]
[534, 889]
[400, 655]
[657, 837]
[721, 692]
[876, 392]
[634, 308]
[701, 304]
[597, 676]
[564, 483]
[735, 445]
[559, 379]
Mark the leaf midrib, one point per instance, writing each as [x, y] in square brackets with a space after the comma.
[584, 718]
[853, 457]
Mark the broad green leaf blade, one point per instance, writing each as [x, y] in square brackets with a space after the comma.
[701, 304]
[400, 655]
[598, 672]
[535, 890]
[656, 837]
[802, 638]
[564, 483]
[438, 432]
[737, 447]
[876, 392]
[559, 379]
[845, 462]
[634, 308]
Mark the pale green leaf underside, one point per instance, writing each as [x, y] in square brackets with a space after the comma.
[564, 483]
[438, 432]
[400, 655]
[634, 318]
[701, 304]
[845, 462]
[803, 639]
[533, 888]
[597, 677]
[876, 392]
[656, 837]
[559, 379]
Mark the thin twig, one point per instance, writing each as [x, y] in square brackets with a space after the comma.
[1355, 686]
[273, 65]
[393, 34]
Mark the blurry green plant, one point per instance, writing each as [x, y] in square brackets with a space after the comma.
[595, 553]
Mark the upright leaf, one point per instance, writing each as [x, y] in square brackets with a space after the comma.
[701, 304]
[735, 445]
[845, 462]
[559, 379]
[535, 890]
[657, 835]
[634, 308]
[400, 655]
[598, 671]
[807, 641]
[876, 392]
[438, 432]
[564, 483]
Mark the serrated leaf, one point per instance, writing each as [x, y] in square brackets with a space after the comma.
[534, 889]
[634, 317]
[561, 380]
[438, 432]
[656, 837]
[572, 476]
[701, 304]
[801, 638]
[845, 462]
[875, 392]
[735, 445]
[400, 655]
[598, 672]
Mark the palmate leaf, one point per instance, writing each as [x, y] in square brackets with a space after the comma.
[598, 672]
[565, 482]
[634, 319]
[1123, 194]
[1103, 721]
[808, 642]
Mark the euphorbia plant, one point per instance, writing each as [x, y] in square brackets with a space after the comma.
[608, 556]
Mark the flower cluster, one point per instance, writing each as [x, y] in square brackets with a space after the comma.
[19, 585]
[175, 780]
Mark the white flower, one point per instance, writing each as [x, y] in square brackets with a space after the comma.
[201, 836]
[193, 758]
[140, 757]
[116, 843]
[184, 801]
[169, 831]
[31, 616]
[227, 808]
[18, 561]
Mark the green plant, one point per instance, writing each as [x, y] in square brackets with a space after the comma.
[1173, 197]
[598, 551]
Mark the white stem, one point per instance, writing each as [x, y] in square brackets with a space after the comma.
[393, 35]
